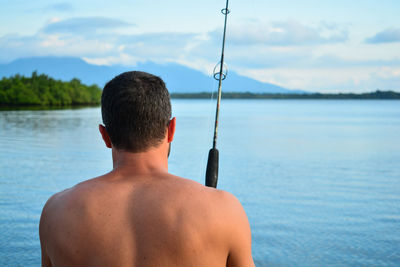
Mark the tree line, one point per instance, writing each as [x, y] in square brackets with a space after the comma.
[42, 90]
[247, 95]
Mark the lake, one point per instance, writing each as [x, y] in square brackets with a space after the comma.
[319, 179]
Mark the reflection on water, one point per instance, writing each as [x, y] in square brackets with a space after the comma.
[41, 152]
[319, 179]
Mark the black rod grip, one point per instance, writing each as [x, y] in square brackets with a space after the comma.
[212, 168]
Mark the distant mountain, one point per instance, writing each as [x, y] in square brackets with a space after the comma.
[63, 68]
[178, 78]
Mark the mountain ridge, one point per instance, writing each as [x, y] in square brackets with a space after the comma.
[178, 78]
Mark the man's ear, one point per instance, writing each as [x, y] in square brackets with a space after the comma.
[171, 129]
[106, 137]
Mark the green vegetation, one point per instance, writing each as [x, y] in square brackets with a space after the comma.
[373, 95]
[41, 90]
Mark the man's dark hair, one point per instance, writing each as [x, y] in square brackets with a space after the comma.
[136, 110]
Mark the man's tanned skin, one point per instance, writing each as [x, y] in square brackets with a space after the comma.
[140, 215]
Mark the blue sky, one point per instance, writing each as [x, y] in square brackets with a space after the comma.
[315, 45]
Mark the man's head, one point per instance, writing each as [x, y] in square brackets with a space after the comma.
[136, 110]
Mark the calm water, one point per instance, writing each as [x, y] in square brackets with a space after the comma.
[319, 180]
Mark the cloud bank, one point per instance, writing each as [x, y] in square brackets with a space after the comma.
[88, 25]
[286, 33]
[60, 7]
[390, 35]
[288, 53]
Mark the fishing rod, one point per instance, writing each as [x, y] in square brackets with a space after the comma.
[213, 154]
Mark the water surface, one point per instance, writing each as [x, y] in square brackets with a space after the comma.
[319, 179]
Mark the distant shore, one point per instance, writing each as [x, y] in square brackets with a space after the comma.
[42, 91]
[385, 95]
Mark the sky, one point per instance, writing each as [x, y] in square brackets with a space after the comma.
[311, 45]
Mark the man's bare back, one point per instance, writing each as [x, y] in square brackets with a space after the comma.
[161, 220]
[139, 214]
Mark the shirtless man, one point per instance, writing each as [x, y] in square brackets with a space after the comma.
[139, 214]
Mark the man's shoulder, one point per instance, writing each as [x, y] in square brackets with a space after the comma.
[63, 200]
[228, 205]
[222, 202]
[219, 212]
[190, 186]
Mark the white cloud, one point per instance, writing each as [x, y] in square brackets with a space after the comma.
[289, 54]
[285, 33]
[61, 7]
[14, 46]
[350, 79]
[86, 25]
[389, 35]
[122, 58]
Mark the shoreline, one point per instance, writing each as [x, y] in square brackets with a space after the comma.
[377, 95]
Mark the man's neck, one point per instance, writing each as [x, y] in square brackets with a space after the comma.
[151, 161]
